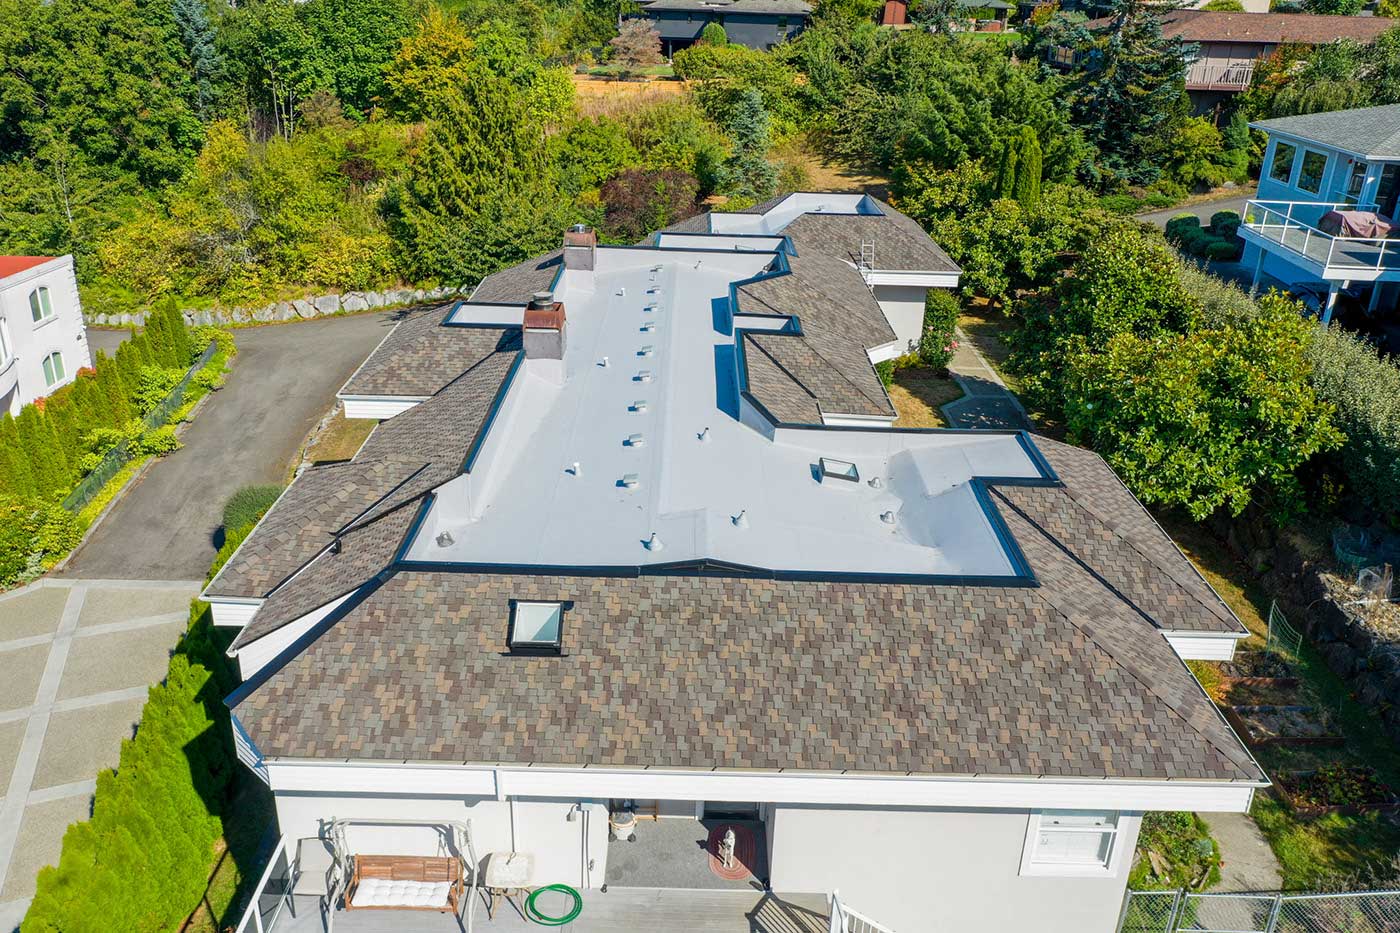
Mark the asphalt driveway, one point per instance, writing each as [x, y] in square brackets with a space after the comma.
[1202, 210]
[284, 379]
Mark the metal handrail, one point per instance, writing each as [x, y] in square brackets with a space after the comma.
[252, 915]
[1381, 244]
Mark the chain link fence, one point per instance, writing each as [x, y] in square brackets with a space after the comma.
[1183, 912]
[116, 458]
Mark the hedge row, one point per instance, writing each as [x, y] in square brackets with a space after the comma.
[141, 862]
[56, 440]
[1219, 240]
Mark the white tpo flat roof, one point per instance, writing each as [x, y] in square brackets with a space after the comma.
[682, 467]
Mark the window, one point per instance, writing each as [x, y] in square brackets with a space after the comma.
[1070, 842]
[1282, 168]
[40, 308]
[53, 369]
[1310, 175]
[536, 628]
[1355, 182]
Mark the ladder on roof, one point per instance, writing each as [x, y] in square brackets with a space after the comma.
[867, 260]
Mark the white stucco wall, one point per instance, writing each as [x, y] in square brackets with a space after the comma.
[904, 309]
[536, 826]
[22, 375]
[916, 869]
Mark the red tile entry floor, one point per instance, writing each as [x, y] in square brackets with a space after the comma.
[745, 851]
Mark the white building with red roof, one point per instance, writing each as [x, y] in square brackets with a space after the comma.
[43, 343]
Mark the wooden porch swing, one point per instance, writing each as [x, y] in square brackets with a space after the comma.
[445, 882]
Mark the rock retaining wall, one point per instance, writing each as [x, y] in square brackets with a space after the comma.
[1365, 659]
[296, 309]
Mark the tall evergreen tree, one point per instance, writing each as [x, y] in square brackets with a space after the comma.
[1128, 94]
[206, 63]
[16, 479]
[747, 172]
[479, 194]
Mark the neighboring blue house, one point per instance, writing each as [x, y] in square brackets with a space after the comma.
[758, 24]
[1343, 161]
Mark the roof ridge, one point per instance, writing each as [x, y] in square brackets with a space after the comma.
[1217, 609]
[1084, 626]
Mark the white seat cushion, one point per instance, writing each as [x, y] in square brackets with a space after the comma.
[380, 892]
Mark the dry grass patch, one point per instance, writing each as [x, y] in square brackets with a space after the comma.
[919, 393]
[606, 97]
[341, 439]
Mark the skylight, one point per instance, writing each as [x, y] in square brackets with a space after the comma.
[839, 469]
[536, 628]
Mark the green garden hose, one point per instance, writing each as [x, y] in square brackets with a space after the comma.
[535, 916]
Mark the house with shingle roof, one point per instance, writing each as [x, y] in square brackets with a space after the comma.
[642, 560]
[1324, 220]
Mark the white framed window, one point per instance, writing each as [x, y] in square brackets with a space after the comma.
[1281, 169]
[1071, 842]
[53, 369]
[1310, 175]
[1356, 182]
[40, 305]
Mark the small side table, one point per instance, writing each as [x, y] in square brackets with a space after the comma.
[508, 875]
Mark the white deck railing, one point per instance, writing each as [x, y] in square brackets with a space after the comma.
[266, 906]
[845, 920]
[1291, 224]
[1215, 76]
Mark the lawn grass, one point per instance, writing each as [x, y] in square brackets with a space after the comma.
[918, 393]
[1310, 852]
[341, 439]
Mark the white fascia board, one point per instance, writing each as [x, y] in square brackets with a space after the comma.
[232, 611]
[327, 777]
[379, 407]
[926, 279]
[885, 351]
[1205, 646]
[857, 421]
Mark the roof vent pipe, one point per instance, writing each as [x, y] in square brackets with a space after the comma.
[653, 543]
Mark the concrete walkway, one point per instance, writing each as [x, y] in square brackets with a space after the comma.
[1247, 861]
[76, 660]
[987, 402]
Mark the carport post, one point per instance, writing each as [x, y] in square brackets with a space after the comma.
[1258, 268]
[1375, 298]
[1332, 289]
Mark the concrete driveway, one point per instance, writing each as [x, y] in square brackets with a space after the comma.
[283, 380]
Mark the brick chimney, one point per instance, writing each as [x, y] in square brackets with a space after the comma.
[580, 257]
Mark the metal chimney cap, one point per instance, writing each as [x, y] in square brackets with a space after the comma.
[580, 228]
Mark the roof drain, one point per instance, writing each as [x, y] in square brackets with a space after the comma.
[445, 539]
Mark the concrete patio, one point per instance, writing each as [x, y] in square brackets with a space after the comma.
[76, 659]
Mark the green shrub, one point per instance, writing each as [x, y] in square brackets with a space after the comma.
[1184, 850]
[885, 370]
[941, 310]
[1223, 250]
[142, 861]
[1120, 204]
[248, 504]
[1365, 389]
[1220, 218]
[232, 539]
[714, 34]
[157, 442]
[156, 383]
[33, 534]
[1182, 225]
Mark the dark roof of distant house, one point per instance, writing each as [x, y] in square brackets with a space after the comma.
[12, 265]
[725, 7]
[1270, 28]
[1365, 131]
[1070, 678]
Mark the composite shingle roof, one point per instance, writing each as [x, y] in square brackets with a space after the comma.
[1366, 131]
[1070, 678]
[517, 283]
[1271, 28]
[420, 356]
